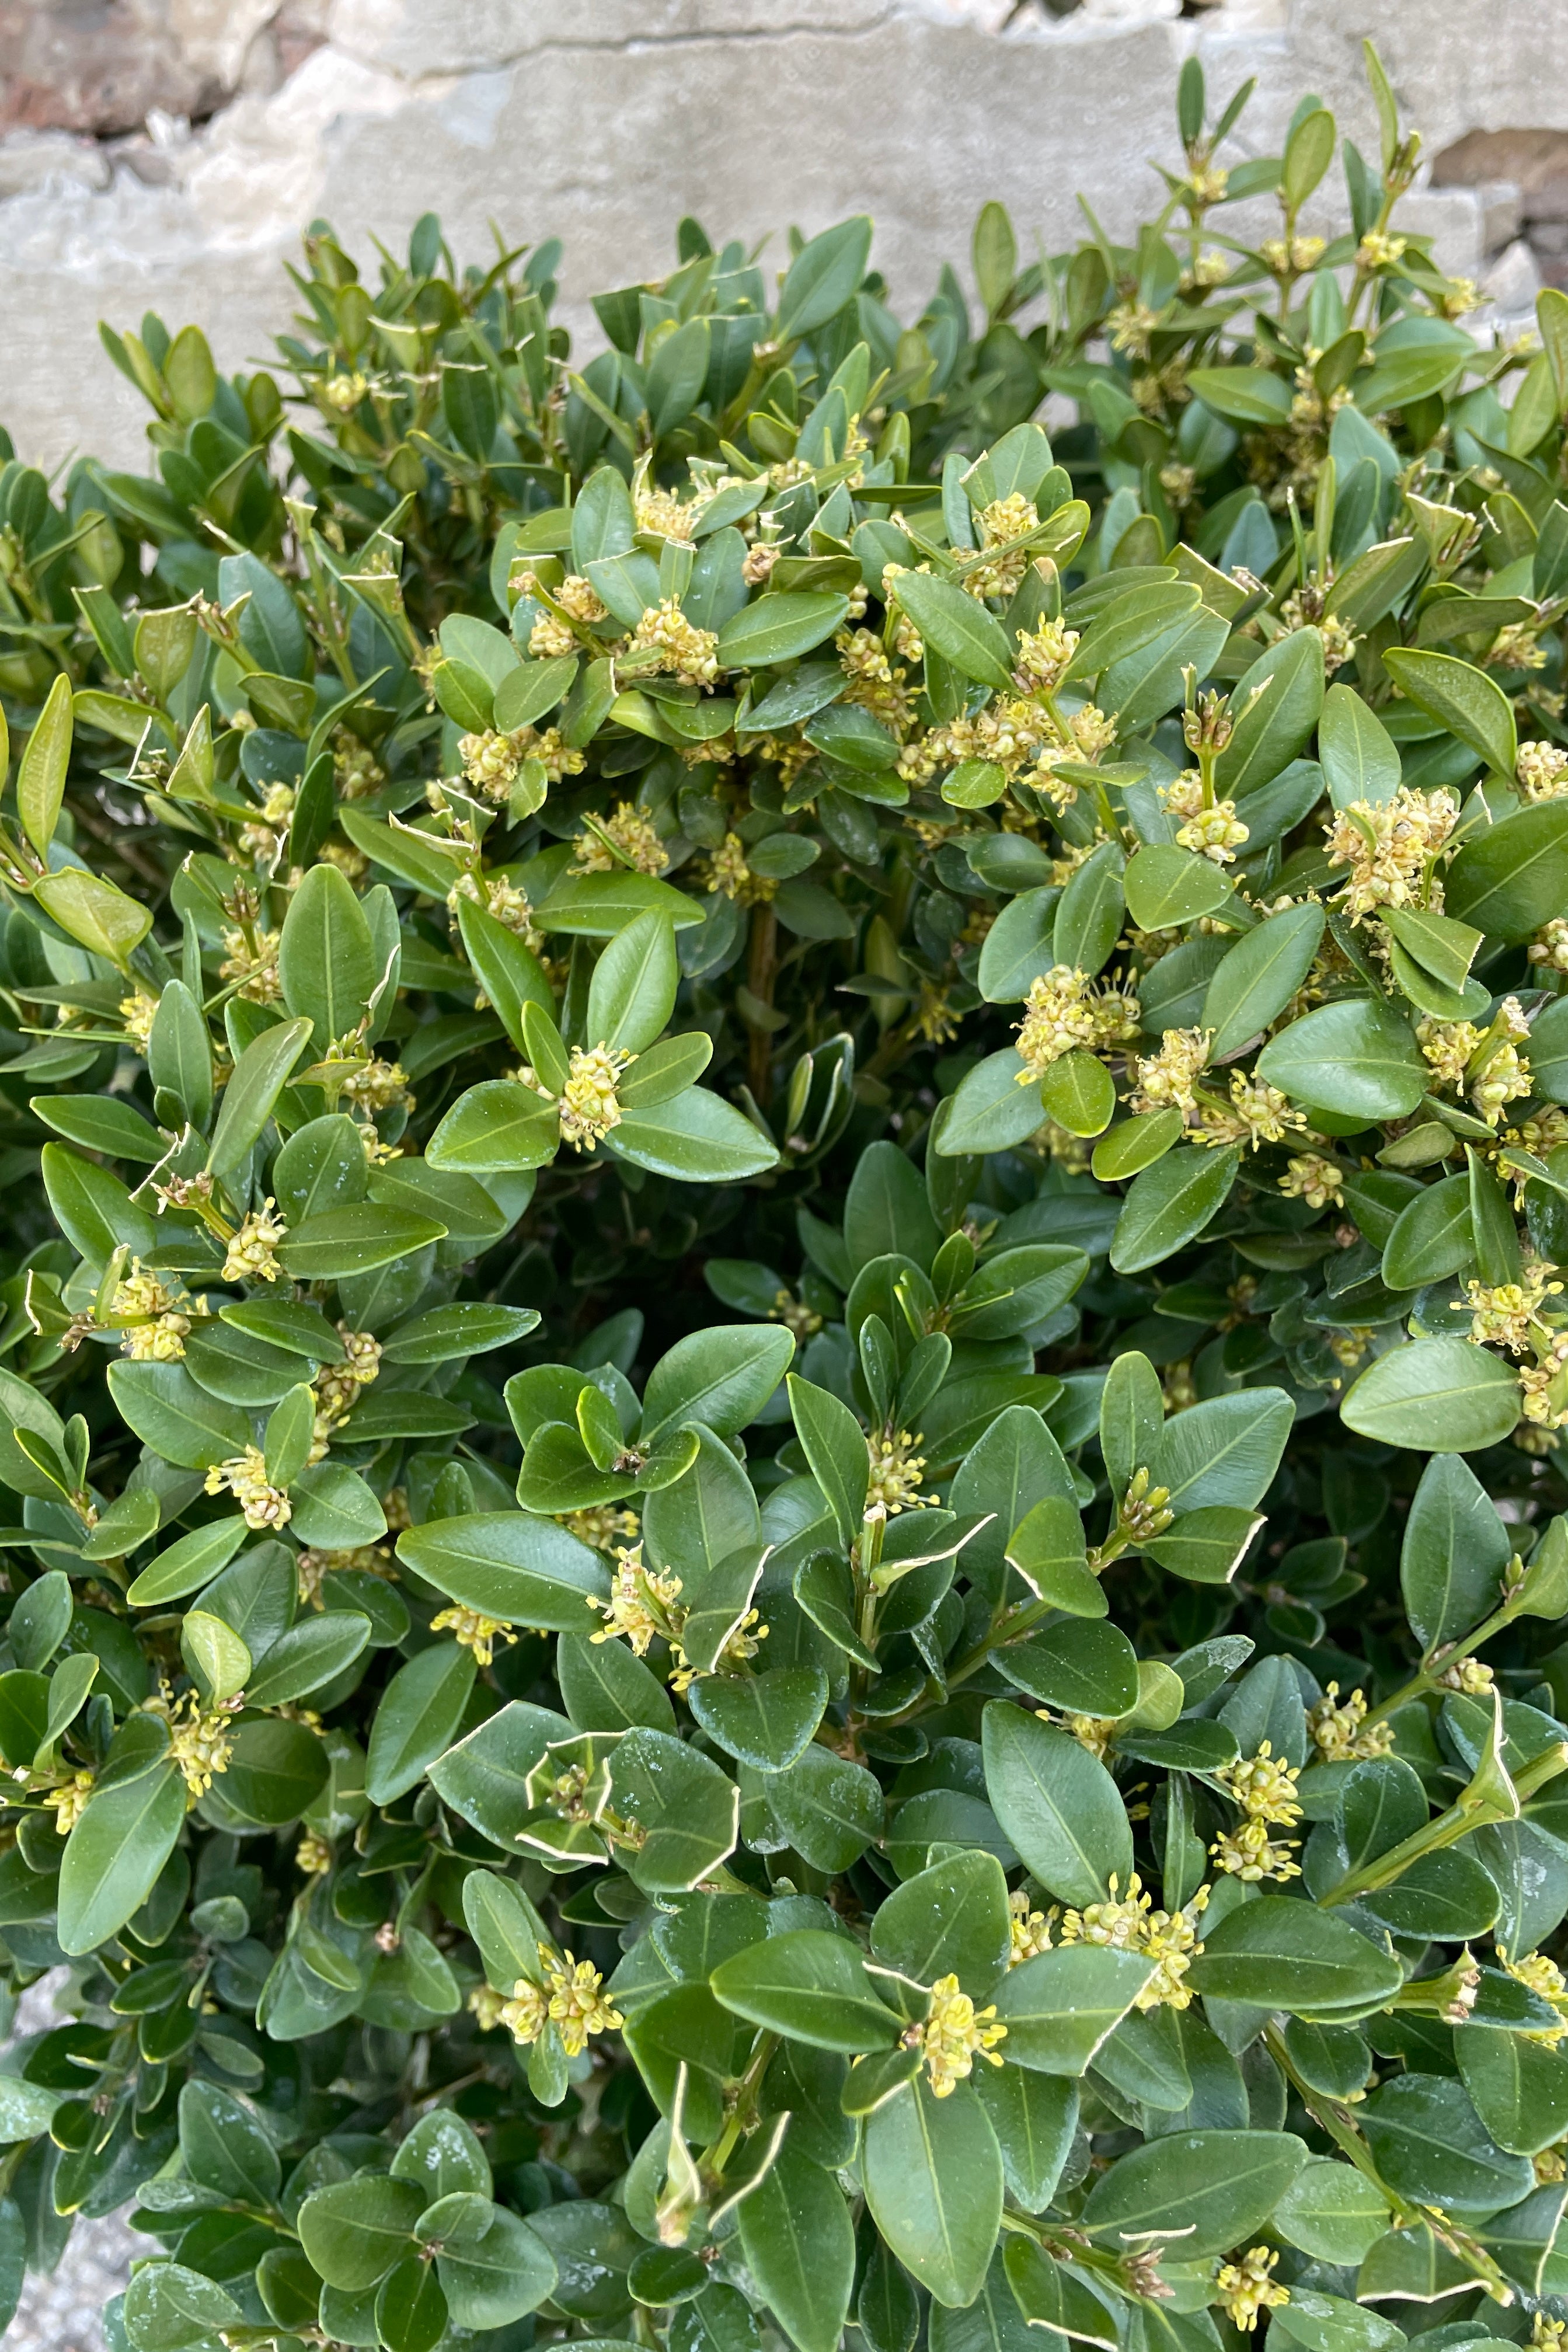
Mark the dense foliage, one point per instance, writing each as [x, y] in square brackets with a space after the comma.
[781, 1419]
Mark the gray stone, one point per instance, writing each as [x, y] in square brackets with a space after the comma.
[603, 123]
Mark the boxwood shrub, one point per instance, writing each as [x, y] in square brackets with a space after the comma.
[782, 1357]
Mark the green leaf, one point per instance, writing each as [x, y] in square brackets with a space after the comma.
[721, 1378]
[1443, 1396]
[824, 276]
[1428, 2142]
[1432, 1237]
[1060, 2006]
[496, 1127]
[169, 2308]
[355, 2230]
[834, 1445]
[168, 1411]
[933, 2176]
[1279, 1954]
[326, 963]
[1169, 1204]
[632, 992]
[1208, 2190]
[956, 626]
[418, 1718]
[1455, 1550]
[1509, 881]
[115, 1853]
[799, 2245]
[1357, 1058]
[1166, 886]
[1057, 1805]
[1331, 2212]
[224, 2147]
[96, 913]
[1287, 681]
[355, 1240]
[41, 771]
[996, 1106]
[763, 1720]
[493, 2281]
[1222, 1452]
[829, 1809]
[1471, 704]
[254, 1084]
[1360, 760]
[950, 1920]
[810, 1987]
[1258, 977]
[687, 1807]
[696, 1138]
[179, 1052]
[1242, 396]
[779, 628]
[1519, 2089]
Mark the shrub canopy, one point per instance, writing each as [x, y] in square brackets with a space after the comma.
[783, 1534]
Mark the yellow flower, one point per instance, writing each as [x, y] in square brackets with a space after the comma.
[897, 1470]
[1311, 1178]
[682, 648]
[1249, 1854]
[1167, 1080]
[1063, 1011]
[1169, 1938]
[1246, 2289]
[640, 1604]
[1505, 1314]
[526, 2014]
[1029, 1931]
[200, 1743]
[730, 876]
[136, 1011]
[954, 2035]
[1390, 848]
[1263, 1787]
[256, 973]
[244, 1477]
[473, 1630]
[600, 1525]
[69, 1803]
[1541, 771]
[633, 834]
[578, 2005]
[1379, 251]
[313, 1855]
[252, 1250]
[1334, 1727]
[1044, 655]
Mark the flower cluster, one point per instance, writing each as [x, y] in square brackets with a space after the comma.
[897, 1472]
[1169, 1938]
[1029, 1931]
[472, 1630]
[1246, 2288]
[688, 652]
[626, 836]
[252, 1253]
[1265, 1789]
[1391, 848]
[1064, 1011]
[1340, 1732]
[243, 1476]
[200, 1740]
[955, 2034]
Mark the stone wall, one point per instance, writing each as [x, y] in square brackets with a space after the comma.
[166, 153]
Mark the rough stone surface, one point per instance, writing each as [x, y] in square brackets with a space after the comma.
[64, 2312]
[602, 123]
